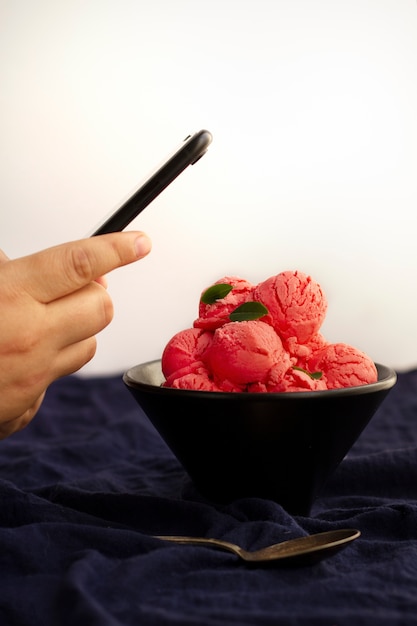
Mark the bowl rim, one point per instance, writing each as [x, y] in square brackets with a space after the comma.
[387, 380]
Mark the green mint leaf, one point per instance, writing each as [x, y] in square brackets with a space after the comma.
[316, 375]
[248, 311]
[313, 375]
[216, 292]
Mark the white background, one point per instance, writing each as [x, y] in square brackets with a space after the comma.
[312, 105]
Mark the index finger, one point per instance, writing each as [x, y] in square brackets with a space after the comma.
[63, 269]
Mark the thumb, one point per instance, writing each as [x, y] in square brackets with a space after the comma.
[58, 271]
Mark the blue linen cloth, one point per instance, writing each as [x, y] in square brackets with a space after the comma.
[85, 486]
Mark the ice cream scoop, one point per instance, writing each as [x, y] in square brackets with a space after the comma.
[246, 352]
[214, 314]
[184, 348]
[296, 304]
[297, 379]
[343, 365]
[194, 377]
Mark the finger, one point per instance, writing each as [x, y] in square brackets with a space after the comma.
[79, 315]
[58, 271]
[19, 422]
[74, 357]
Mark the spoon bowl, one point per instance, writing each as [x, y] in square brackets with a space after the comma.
[303, 550]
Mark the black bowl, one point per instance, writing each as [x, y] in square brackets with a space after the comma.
[280, 446]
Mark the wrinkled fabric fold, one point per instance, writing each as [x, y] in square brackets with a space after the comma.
[86, 485]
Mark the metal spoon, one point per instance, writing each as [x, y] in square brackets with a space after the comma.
[311, 548]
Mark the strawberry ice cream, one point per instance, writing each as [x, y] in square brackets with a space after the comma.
[301, 352]
[343, 366]
[296, 304]
[193, 377]
[247, 352]
[262, 338]
[183, 349]
[299, 380]
[216, 313]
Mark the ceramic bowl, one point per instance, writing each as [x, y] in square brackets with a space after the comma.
[280, 446]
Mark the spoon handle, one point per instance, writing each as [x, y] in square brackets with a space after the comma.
[217, 543]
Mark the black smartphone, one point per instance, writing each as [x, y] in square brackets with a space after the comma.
[190, 151]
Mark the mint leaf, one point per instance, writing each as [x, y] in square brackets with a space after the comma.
[313, 375]
[216, 292]
[316, 375]
[248, 311]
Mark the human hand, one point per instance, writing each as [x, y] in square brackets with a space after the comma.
[52, 305]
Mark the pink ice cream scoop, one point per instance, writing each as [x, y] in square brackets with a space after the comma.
[247, 352]
[215, 314]
[301, 352]
[296, 304]
[299, 380]
[343, 366]
[183, 349]
[193, 378]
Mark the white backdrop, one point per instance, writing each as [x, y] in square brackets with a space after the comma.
[312, 105]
